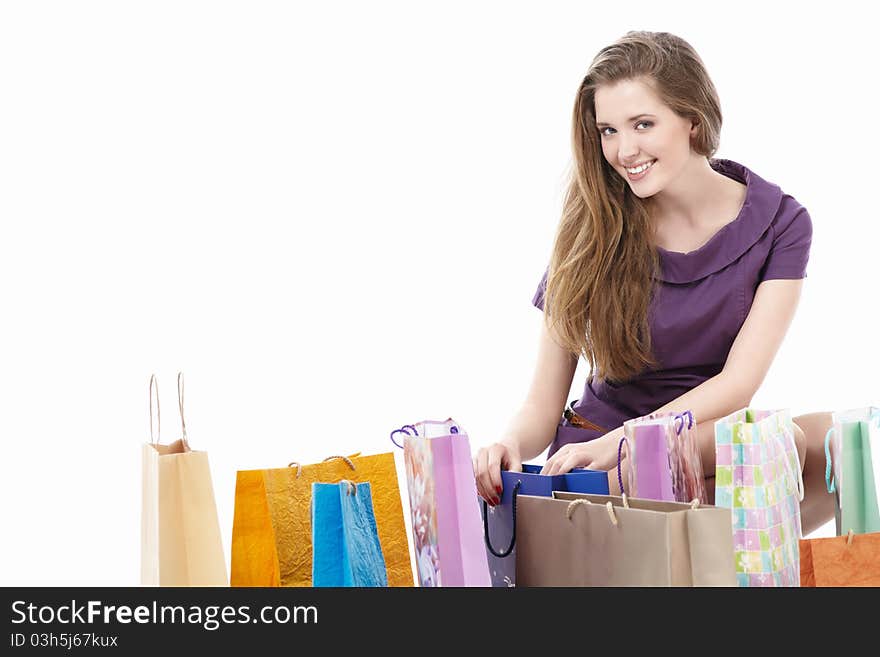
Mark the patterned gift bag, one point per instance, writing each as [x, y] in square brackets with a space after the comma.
[665, 462]
[444, 505]
[758, 477]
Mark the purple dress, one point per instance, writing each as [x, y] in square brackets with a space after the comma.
[701, 303]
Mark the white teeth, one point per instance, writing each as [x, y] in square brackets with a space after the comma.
[642, 168]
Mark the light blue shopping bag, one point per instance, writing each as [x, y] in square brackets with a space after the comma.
[345, 542]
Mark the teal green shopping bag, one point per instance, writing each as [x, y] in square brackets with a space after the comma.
[855, 436]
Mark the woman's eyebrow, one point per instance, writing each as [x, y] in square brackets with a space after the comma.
[599, 124]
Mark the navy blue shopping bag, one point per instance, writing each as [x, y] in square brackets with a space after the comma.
[499, 522]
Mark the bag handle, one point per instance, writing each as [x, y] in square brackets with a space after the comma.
[619, 459]
[347, 460]
[681, 416]
[509, 549]
[609, 507]
[800, 476]
[180, 405]
[405, 430]
[619, 476]
[155, 382]
[829, 480]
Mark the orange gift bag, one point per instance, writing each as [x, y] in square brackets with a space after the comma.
[852, 560]
[271, 529]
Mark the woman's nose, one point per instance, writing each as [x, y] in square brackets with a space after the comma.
[628, 150]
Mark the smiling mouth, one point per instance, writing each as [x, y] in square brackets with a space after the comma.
[641, 167]
[642, 172]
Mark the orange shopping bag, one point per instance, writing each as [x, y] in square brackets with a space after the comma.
[852, 560]
[271, 527]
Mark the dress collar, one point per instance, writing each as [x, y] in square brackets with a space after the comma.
[732, 240]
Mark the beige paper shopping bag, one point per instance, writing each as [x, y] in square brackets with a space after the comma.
[180, 530]
[574, 539]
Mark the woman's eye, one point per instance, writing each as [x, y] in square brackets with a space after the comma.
[604, 134]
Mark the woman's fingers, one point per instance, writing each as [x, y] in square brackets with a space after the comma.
[572, 462]
[480, 468]
[486, 470]
[551, 463]
[566, 459]
[496, 452]
[556, 463]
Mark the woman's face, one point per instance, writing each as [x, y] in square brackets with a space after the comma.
[636, 128]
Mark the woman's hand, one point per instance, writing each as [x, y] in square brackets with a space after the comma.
[488, 464]
[597, 454]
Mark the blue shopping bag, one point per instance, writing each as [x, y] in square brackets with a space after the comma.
[499, 522]
[345, 542]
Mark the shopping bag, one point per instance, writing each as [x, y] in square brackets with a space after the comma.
[856, 467]
[180, 531]
[758, 477]
[841, 561]
[499, 522]
[271, 533]
[345, 542]
[573, 539]
[665, 462]
[447, 532]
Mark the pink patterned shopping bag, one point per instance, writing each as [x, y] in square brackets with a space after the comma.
[758, 477]
[446, 521]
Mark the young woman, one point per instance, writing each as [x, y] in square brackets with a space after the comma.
[676, 275]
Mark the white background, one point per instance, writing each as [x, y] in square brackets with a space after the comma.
[333, 218]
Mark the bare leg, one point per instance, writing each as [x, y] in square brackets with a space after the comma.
[817, 507]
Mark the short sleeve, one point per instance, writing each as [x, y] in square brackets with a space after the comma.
[790, 251]
[538, 298]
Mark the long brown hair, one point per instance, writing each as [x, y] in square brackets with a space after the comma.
[604, 264]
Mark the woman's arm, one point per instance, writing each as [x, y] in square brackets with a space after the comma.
[533, 427]
[747, 364]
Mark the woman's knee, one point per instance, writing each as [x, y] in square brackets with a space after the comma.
[813, 428]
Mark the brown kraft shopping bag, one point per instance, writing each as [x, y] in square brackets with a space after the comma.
[575, 539]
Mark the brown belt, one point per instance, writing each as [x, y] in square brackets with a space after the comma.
[579, 420]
